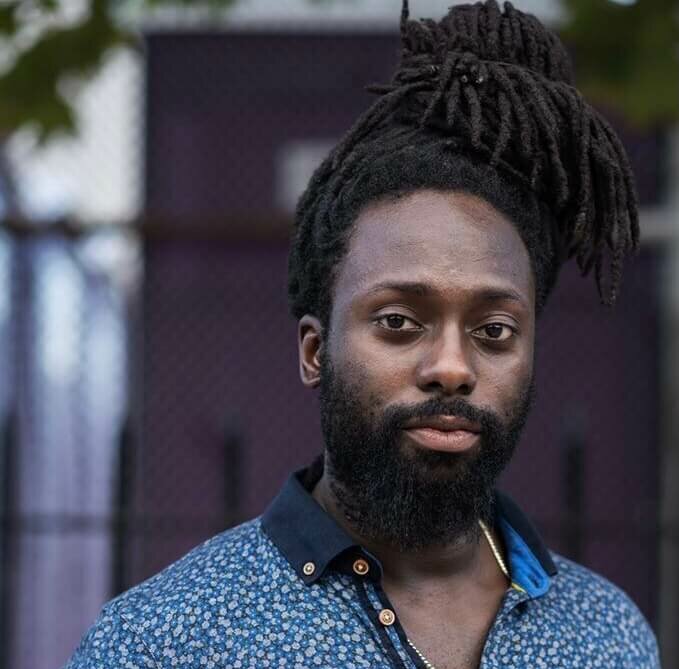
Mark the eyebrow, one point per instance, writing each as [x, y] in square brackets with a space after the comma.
[414, 288]
[491, 294]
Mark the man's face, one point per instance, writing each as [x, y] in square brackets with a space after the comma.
[426, 370]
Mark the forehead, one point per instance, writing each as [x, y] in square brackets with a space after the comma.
[451, 241]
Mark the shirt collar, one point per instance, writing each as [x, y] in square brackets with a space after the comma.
[310, 539]
[530, 564]
[303, 531]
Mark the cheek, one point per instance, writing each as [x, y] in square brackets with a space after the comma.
[352, 344]
[502, 381]
[374, 372]
[506, 386]
[371, 376]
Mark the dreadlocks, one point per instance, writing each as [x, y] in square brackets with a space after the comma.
[482, 102]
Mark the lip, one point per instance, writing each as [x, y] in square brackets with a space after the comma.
[444, 433]
[444, 424]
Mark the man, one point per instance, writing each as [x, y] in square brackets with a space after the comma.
[425, 246]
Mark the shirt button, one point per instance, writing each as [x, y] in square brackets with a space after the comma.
[309, 568]
[387, 617]
[361, 567]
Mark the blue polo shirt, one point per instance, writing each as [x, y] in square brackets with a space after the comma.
[291, 589]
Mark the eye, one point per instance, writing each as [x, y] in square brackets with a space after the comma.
[499, 332]
[397, 323]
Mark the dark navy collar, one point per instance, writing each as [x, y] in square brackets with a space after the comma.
[306, 535]
[303, 531]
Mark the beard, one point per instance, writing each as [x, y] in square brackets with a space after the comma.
[409, 497]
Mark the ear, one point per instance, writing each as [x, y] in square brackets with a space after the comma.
[309, 342]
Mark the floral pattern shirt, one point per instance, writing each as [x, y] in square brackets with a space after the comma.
[291, 589]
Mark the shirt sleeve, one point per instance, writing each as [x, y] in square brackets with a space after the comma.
[112, 643]
[641, 649]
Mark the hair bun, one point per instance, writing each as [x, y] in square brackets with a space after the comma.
[507, 36]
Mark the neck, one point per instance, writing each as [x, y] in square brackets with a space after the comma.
[460, 558]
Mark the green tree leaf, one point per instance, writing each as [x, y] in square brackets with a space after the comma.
[627, 56]
[8, 18]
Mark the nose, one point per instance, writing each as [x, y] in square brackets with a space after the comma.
[446, 366]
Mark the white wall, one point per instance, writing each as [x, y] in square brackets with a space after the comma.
[356, 12]
[96, 175]
[325, 14]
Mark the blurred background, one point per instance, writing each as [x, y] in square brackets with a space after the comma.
[151, 153]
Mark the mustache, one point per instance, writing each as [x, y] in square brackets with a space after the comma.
[397, 416]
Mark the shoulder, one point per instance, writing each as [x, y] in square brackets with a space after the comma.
[591, 594]
[239, 556]
[601, 614]
[178, 607]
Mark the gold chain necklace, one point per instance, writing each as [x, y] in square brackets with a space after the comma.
[503, 568]
[496, 551]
